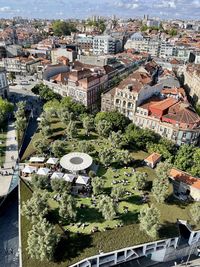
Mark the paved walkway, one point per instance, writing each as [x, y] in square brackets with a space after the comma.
[11, 156]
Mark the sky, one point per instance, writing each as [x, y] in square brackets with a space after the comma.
[54, 9]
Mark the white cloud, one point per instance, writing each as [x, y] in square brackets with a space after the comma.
[5, 9]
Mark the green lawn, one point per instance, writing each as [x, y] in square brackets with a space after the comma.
[80, 243]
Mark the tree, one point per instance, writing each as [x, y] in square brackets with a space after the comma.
[173, 32]
[35, 206]
[88, 124]
[60, 186]
[45, 92]
[116, 139]
[20, 117]
[117, 193]
[122, 157]
[144, 28]
[160, 188]
[5, 108]
[46, 131]
[139, 138]
[195, 170]
[53, 104]
[149, 220]
[86, 147]
[73, 107]
[195, 212]
[63, 28]
[184, 157]
[117, 120]
[67, 208]
[41, 145]
[97, 185]
[42, 240]
[11, 76]
[106, 156]
[64, 115]
[103, 128]
[40, 181]
[107, 207]
[140, 180]
[71, 129]
[58, 148]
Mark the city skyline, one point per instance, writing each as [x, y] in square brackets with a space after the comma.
[61, 9]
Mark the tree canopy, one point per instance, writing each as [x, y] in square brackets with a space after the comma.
[5, 108]
[149, 220]
[45, 92]
[63, 28]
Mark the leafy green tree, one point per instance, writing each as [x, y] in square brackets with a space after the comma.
[116, 139]
[107, 207]
[139, 138]
[117, 193]
[46, 131]
[41, 145]
[63, 28]
[72, 129]
[140, 180]
[73, 107]
[144, 28]
[149, 220]
[67, 208]
[97, 185]
[5, 109]
[11, 76]
[160, 188]
[195, 169]
[88, 124]
[40, 181]
[45, 92]
[173, 32]
[106, 156]
[58, 148]
[44, 121]
[184, 157]
[20, 124]
[117, 120]
[195, 212]
[64, 115]
[86, 147]
[42, 240]
[35, 206]
[103, 128]
[122, 157]
[52, 104]
[60, 186]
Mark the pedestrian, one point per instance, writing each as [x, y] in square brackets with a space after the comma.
[11, 250]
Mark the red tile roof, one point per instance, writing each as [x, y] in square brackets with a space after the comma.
[153, 158]
[185, 178]
[164, 104]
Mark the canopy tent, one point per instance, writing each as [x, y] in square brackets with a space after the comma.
[52, 161]
[82, 180]
[57, 175]
[43, 171]
[76, 161]
[29, 169]
[37, 159]
[69, 177]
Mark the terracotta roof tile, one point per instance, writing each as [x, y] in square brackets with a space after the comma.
[184, 177]
[153, 158]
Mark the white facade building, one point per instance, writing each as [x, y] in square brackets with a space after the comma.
[3, 83]
[103, 45]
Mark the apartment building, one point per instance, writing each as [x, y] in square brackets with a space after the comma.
[85, 43]
[104, 45]
[191, 73]
[4, 89]
[148, 106]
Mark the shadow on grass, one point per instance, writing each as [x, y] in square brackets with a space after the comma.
[59, 129]
[72, 246]
[129, 217]
[89, 214]
[168, 229]
[135, 199]
[53, 216]
[171, 200]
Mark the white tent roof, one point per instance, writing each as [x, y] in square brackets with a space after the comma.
[69, 177]
[82, 180]
[29, 169]
[57, 175]
[52, 161]
[37, 159]
[43, 171]
[76, 161]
